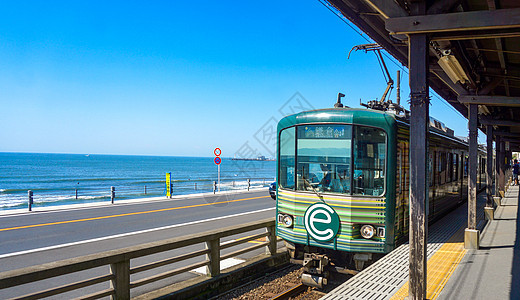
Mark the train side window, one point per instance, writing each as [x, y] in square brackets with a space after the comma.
[287, 147]
[369, 161]
[435, 177]
[430, 169]
[447, 167]
[442, 168]
[455, 165]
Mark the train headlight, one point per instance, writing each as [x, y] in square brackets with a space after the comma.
[287, 221]
[367, 231]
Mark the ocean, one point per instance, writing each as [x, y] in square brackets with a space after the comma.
[54, 178]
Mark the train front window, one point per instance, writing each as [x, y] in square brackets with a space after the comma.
[287, 147]
[333, 158]
[324, 158]
[369, 161]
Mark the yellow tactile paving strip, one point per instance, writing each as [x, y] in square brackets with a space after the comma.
[440, 267]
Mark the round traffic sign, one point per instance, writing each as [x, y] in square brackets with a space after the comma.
[217, 151]
[217, 160]
[321, 222]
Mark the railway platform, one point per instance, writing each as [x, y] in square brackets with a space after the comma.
[491, 272]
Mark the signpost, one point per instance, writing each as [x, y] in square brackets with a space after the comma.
[217, 161]
[168, 185]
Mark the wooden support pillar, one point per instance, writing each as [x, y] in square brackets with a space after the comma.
[501, 169]
[472, 235]
[489, 166]
[472, 166]
[419, 107]
[497, 165]
[509, 164]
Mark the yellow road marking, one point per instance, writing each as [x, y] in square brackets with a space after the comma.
[440, 267]
[257, 241]
[127, 214]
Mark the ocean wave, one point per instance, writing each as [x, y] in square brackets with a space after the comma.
[35, 190]
[12, 191]
[74, 180]
[19, 202]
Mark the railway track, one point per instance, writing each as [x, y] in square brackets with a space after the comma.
[291, 292]
[283, 284]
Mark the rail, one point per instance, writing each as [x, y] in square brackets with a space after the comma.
[120, 267]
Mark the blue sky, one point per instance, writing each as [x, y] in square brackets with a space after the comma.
[174, 77]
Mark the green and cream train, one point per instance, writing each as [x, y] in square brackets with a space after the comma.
[343, 185]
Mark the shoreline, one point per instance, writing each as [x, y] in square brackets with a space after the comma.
[53, 208]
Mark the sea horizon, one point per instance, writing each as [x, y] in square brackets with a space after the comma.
[111, 154]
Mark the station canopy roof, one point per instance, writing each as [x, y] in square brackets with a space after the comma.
[474, 55]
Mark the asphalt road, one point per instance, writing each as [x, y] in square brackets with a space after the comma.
[40, 237]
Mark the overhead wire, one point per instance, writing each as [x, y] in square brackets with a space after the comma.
[390, 58]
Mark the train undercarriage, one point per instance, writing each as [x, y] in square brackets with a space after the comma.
[319, 263]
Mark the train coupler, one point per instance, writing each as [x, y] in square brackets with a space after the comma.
[314, 280]
[315, 263]
[360, 259]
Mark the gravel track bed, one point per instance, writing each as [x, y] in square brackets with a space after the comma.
[269, 286]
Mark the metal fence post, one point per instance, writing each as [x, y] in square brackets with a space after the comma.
[271, 238]
[112, 194]
[121, 281]
[213, 267]
[248, 183]
[145, 189]
[76, 194]
[214, 186]
[30, 194]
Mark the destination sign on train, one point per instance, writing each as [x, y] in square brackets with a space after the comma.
[325, 132]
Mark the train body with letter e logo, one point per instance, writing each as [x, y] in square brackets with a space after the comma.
[343, 184]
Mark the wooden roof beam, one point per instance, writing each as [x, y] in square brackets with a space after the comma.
[454, 22]
[489, 87]
[388, 9]
[489, 121]
[443, 6]
[490, 100]
[475, 35]
[498, 41]
[507, 134]
[510, 140]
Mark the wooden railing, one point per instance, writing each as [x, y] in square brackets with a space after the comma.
[119, 262]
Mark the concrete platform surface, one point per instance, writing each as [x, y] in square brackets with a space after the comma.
[388, 277]
[492, 271]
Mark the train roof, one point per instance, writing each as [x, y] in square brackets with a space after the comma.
[368, 117]
[363, 116]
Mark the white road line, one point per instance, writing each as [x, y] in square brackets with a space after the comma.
[94, 205]
[130, 233]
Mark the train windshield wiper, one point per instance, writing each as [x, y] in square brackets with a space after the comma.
[312, 187]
